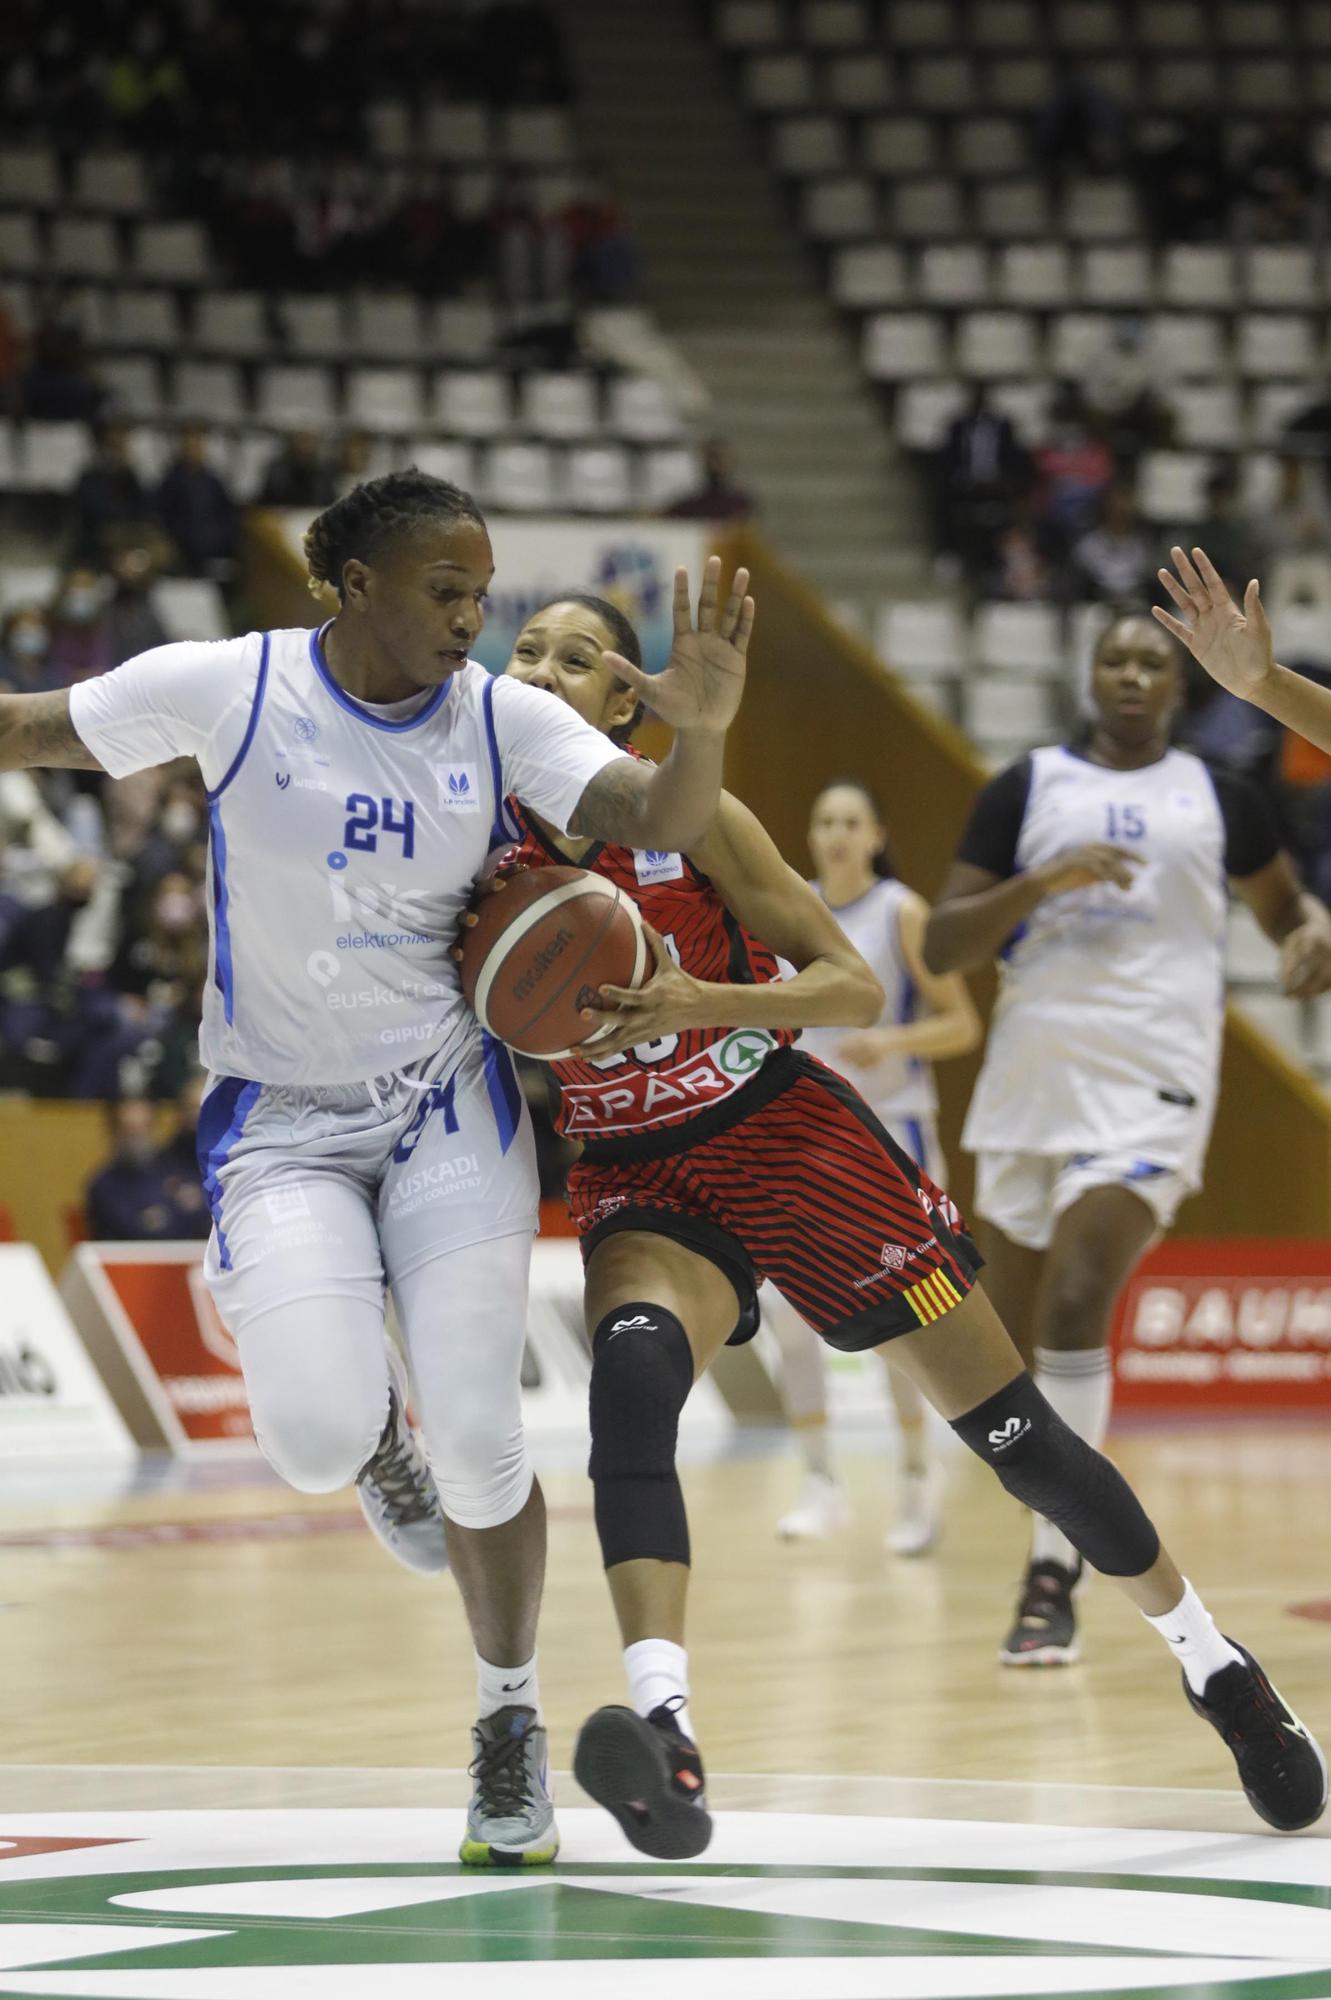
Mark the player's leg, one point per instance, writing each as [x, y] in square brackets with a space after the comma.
[657, 1314]
[1096, 1241]
[971, 1372]
[918, 1518]
[294, 1268]
[822, 1506]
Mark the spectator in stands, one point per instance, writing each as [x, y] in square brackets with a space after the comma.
[1224, 533]
[112, 507]
[1277, 182]
[11, 349]
[1114, 562]
[1121, 398]
[1080, 124]
[179, 1162]
[602, 255]
[981, 471]
[1309, 433]
[197, 512]
[1297, 518]
[1187, 188]
[25, 641]
[81, 639]
[59, 384]
[355, 456]
[1024, 570]
[719, 498]
[1073, 467]
[129, 1200]
[133, 623]
[299, 476]
[44, 880]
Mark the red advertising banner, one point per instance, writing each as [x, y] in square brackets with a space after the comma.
[1226, 1324]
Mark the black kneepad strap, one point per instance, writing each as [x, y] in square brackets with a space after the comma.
[1044, 1464]
[642, 1371]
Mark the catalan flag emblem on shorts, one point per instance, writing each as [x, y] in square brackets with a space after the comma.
[932, 1297]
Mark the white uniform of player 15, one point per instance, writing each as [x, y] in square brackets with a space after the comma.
[360, 1131]
[891, 1065]
[1096, 873]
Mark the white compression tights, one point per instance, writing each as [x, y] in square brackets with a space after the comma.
[317, 1376]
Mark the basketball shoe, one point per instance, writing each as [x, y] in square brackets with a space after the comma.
[821, 1510]
[1045, 1631]
[1281, 1767]
[649, 1776]
[396, 1488]
[511, 1818]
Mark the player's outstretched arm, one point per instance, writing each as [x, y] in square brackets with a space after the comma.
[1295, 920]
[1235, 646]
[832, 987]
[36, 730]
[697, 692]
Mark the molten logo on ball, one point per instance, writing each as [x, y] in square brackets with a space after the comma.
[542, 962]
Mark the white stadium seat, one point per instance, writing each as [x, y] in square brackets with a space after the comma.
[839, 207]
[1209, 415]
[560, 404]
[1171, 486]
[386, 326]
[385, 399]
[862, 82]
[988, 146]
[20, 244]
[520, 478]
[924, 410]
[643, 409]
[997, 343]
[1101, 208]
[1185, 346]
[1116, 274]
[252, 454]
[834, 24]
[944, 84]
[314, 325]
[85, 247]
[1013, 209]
[191, 608]
[1173, 24]
[1198, 274]
[1007, 24]
[1087, 24]
[929, 208]
[29, 177]
[921, 640]
[1275, 344]
[954, 274]
[1274, 405]
[599, 479]
[779, 83]
[1007, 711]
[112, 184]
[805, 146]
[26, 583]
[534, 136]
[445, 458]
[135, 385]
[1020, 83]
[916, 24]
[1034, 274]
[899, 146]
[472, 402]
[1019, 639]
[143, 318]
[669, 473]
[174, 253]
[1077, 340]
[1280, 274]
[391, 128]
[1026, 405]
[233, 323]
[459, 133]
[865, 275]
[897, 345]
[464, 330]
[296, 398]
[211, 391]
[751, 24]
[53, 456]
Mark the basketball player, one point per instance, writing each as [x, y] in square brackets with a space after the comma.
[890, 1064]
[1236, 649]
[1096, 873]
[713, 1151]
[359, 1129]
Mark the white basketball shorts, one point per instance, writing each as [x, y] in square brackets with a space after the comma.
[1024, 1194]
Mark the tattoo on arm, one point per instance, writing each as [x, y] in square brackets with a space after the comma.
[612, 806]
[36, 730]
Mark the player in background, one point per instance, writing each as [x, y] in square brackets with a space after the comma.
[925, 1018]
[359, 1130]
[1236, 649]
[1095, 872]
[713, 1151]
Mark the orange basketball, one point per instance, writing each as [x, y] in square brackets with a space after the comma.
[542, 946]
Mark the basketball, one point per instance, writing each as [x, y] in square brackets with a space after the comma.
[539, 951]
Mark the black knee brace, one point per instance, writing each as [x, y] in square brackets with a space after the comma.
[642, 1371]
[1052, 1471]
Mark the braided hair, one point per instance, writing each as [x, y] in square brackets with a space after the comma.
[365, 520]
[626, 643]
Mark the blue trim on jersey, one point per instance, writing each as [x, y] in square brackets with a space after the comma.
[499, 834]
[912, 1135]
[224, 977]
[363, 714]
[505, 1092]
[221, 1121]
[250, 727]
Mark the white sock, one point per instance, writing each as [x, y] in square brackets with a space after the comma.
[1079, 1382]
[658, 1670]
[816, 1449]
[506, 1687]
[1190, 1633]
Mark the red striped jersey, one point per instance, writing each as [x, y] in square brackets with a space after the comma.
[664, 1082]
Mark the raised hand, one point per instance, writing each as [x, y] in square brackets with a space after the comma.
[1233, 646]
[700, 685]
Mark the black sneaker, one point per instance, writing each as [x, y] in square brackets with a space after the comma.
[649, 1775]
[1281, 1767]
[1045, 1632]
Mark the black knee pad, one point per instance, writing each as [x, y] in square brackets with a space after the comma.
[642, 1371]
[1044, 1464]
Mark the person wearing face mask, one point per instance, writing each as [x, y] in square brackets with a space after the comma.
[25, 641]
[81, 640]
[129, 1201]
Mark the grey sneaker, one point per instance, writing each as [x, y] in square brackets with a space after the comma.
[511, 1818]
[396, 1489]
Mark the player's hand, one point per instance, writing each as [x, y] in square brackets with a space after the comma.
[700, 685]
[1305, 961]
[868, 1046]
[666, 1005]
[1080, 867]
[1233, 646]
[498, 878]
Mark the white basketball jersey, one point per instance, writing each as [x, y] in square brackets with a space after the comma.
[903, 1086]
[344, 839]
[1109, 1018]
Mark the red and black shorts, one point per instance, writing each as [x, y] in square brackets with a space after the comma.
[793, 1179]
